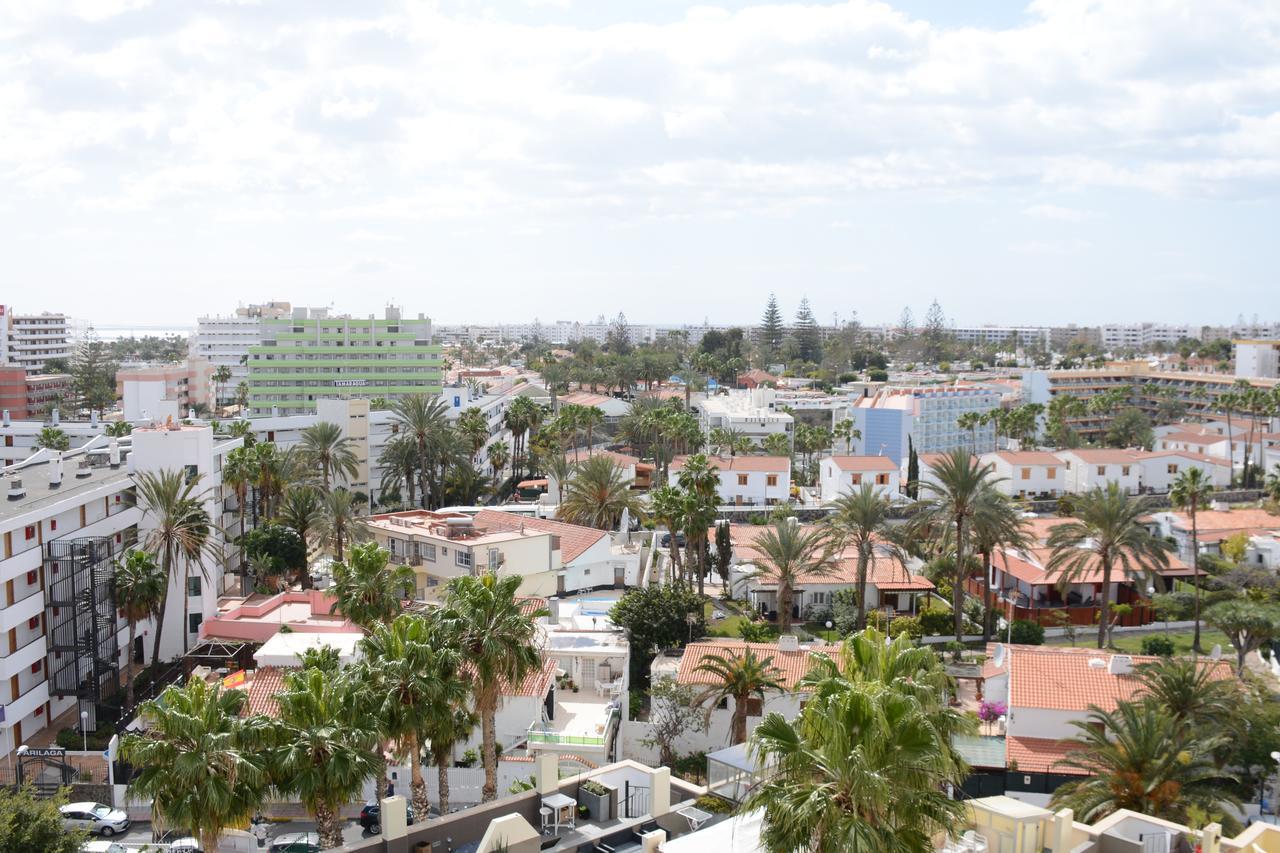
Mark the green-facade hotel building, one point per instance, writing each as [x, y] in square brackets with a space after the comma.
[305, 358]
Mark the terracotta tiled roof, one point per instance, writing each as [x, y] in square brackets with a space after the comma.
[1203, 439]
[623, 460]
[1038, 755]
[1227, 522]
[791, 666]
[584, 398]
[1185, 454]
[266, 683]
[1101, 456]
[1030, 566]
[1038, 529]
[864, 463]
[532, 604]
[928, 460]
[766, 464]
[885, 573]
[1060, 678]
[574, 538]
[1029, 457]
[538, 681]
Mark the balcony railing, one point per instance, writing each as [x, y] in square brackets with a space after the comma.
[539, 734]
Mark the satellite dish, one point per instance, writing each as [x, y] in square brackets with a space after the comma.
[997, 657]
[1216, 653]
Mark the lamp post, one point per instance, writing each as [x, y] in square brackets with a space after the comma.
[829, 626]
[84, 728]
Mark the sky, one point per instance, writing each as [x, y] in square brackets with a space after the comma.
[494, 161]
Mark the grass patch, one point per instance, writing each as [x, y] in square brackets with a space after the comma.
[1132, 643]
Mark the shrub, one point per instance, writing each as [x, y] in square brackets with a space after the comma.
[956, 648]
[909, 625]
[692, 766]
[877, 375]
[1026, 633]
[935, 623]
[1158, 645]
[469, 758]
[712, 804]
[591, 786]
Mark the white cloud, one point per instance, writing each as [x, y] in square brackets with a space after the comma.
[1058, 212]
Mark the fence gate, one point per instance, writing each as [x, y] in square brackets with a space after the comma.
[45, 769]
[635, 800]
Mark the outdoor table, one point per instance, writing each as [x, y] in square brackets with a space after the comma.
[696, 817]
[559, 802]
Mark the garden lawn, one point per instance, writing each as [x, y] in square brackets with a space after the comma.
[1132, 643]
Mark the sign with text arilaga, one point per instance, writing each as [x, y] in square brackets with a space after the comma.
[45, 752]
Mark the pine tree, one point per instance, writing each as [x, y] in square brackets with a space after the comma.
[913, 470]
[906, 331]
[771, 332]
[808, 337]
[93, 374]
[934, 335]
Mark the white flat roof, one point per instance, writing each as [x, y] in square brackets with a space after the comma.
[281, 648]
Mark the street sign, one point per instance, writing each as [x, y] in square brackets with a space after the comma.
[45, 752]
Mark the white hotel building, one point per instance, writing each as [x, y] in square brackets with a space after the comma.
[65, 519]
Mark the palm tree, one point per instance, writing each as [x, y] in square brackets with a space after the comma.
[700, 481]
[560, 468]
[499, 454]
[242, 395]
[860, 519]
[466, 486]
[590, 418]
[1192, 491]
[140, 586]
[337, 523]
[996, 524]
[327, 748]
[325, 447]
[865, 764]
[789, 552]
[449, 724]
[846, 432]
[666, 507]
[971, 421]
[237, 474]
[1228, 402]
[598, 495]
[411, 674]
[179, 531]
[303, 509]
[118, 429]
[1273, 483]
[954, 496]
[202, 765]
[221, 377]
[52, 438]
[367, 589]
[424, 421]
[1140, 757]
[1108, 533]
[520, 417]
[399, 460]
[474, 427]
[1191, 692]
[737, 677]
[497, 641]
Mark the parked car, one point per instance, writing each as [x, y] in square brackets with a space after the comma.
[185, 845]
[371, 816]
[666, 539]
[94, 817]
[106, 847]
[297, 842]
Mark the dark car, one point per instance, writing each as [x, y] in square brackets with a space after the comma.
[371, 816]
[666, 540]
[297, 842]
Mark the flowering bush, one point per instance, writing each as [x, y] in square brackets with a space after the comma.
[989, 712]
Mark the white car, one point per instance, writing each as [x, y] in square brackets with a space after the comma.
[94, 817]
[106, 847]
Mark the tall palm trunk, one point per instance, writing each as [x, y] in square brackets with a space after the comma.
[987, 603]
[1231, 450]
[1105, 613]
[488, 725]
[957, 588]
[443, 759]
[167, 564]
[186, 607]
[329, 827]
[739, 725]
[784, 606]
[1195, 572]
[417, 784]
[862, 588]
[128, 675]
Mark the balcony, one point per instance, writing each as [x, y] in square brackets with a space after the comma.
[582, 723]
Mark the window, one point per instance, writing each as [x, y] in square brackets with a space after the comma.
[742, 479]
[35, 667]
[772, 480]
[1102, 470]
[1051, 473]
[495, 557]
[882, 479]
[429, 551]
[1026, 473]
[193, 622]
[1124, 471]
[462, 558]
[755, 706]
[31, 577]
[1171, 468]
[31, 531]
[33, 622]
[192, 473]
[193, 587]
[53, 524]
[856, 479]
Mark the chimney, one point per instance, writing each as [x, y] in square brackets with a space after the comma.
[55, 416]
[1120, 665]
[788, 643]
[55, 470]
[6, 417]
[113, 453]
[15, 489]
[83, 470]
[93, 419]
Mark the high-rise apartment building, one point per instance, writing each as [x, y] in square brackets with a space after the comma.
[225, 341]
[29, 340]
[305, 358]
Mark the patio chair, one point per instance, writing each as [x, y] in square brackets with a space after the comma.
[975, 842]
[612, 688]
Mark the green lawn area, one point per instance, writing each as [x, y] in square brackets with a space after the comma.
[1132, 643]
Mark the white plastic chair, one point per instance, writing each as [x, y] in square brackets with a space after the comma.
[545, 813]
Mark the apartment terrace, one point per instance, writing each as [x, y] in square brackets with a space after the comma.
[260, 617]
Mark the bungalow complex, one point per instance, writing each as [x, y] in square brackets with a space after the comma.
[1258, 529]
[746, 480]
[842, 475]
[551, 557]
[638, 472]
[1046, 690]
[891, 586]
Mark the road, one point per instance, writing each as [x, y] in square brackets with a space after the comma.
[140, 833]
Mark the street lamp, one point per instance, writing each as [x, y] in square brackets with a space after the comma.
[829, 630]
[84, 728]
